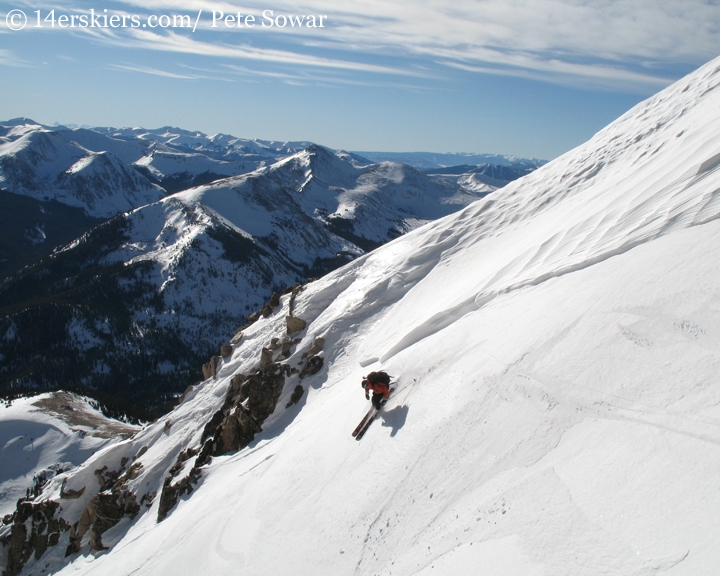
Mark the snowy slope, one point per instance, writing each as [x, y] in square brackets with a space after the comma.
[46, 165]
[46, 434]
[183, 168]
[367, 204]
[149, 295]
[556, 350]
[106, 171]
[482, 179]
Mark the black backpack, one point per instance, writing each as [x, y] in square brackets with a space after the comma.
[380, 376]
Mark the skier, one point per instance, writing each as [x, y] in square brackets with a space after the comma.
[379, 383]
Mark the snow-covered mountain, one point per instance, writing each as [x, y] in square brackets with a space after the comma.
[368, 204]
[105, 171]
[139, 303]
[482, 179]
[555, 349]
[433, 160]
[219, 146]
[40, 163]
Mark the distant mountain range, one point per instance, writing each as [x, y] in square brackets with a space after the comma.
[151, 280]
[431, 160]
[553, 349]
[105, 171]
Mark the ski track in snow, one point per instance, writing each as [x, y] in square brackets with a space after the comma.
[556, 346]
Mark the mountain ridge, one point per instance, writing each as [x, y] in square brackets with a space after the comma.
[554, 346]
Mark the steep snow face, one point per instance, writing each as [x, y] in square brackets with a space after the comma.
[555, 347]
[47, 435]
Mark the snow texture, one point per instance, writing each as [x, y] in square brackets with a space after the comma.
[555, 347]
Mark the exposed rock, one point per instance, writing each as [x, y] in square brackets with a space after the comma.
[264, 389]
[294, 291]
[295, 324]
[313, 366]
[166, 428]
[70, 494]
[171, 492]
[287, 345]
[291, 289]
[34, 528]
[254, 317]
[211, 426]
[274, 300]
[238, 336]
[106, 477]
[183, 457]
[147, 499]
[209, 370]
[266, 357]
[236, 431]
[316, 346]
[226, 350]
[235, 386]
[296, 396]
[274, 343]
[232, 427]
[16, 554]
[105, 514]
[106, 508]
[268, 308]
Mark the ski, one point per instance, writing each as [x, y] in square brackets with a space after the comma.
[359, 432]
[362, 422]
[364, 429]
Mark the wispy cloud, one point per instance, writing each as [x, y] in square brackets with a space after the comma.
[306, 78]
[173, 42]
[7, 58]
[153, 71]
[626, 45]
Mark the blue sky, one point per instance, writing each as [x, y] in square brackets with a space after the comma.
[529, 78]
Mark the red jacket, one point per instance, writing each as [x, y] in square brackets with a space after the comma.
[378, 388]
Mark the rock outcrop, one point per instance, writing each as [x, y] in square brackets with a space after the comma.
[313, 366]
[296, 396]
[34, 528]
[316, 347]
[107, 507]
[295, 325]
[209, 369]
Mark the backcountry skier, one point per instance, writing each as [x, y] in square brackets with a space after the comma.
[379, 383]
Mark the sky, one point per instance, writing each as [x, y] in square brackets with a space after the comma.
[530, 78]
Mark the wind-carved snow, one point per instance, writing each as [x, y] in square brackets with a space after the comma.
[555, 347]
